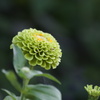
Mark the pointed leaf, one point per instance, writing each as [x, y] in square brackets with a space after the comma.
[8, 98]
[10, 75]
[49, 77]
[13, 96]
[42, 92]
[26, 73]
[18, 59]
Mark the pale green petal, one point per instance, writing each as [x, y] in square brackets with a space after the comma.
[33, 62]
[49, 61]
[28, 56]
[38, 57]
[48, 66]
[39, 62]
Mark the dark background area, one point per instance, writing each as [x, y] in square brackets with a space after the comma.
[76, 26]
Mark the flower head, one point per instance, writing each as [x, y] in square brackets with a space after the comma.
[39, 48]
[95, 92]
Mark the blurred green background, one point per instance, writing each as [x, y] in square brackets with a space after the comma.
[76, 26]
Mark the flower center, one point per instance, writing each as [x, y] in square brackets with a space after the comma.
[49, 40]
[40, 37]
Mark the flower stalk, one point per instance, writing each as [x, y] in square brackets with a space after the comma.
[25, 83]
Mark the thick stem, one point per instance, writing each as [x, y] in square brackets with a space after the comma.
[22, 97]
[93, 97]
[25, 83]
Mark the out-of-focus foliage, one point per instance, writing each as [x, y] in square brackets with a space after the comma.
[76, 26]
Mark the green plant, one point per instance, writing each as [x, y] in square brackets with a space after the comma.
[32, 47]
[93, 93]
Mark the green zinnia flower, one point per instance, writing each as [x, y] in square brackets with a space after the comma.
[94, 92]
[39, 48]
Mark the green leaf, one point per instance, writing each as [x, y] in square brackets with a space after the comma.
[8, 98]
[18, 59]
[49, 77]
[10, 75]
[42, 92]
[26, 73]
[11, 95]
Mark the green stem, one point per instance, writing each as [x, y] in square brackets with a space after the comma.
[25, 83]
[93, 97]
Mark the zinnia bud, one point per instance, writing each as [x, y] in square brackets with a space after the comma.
[39, 48]
[93, 91]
